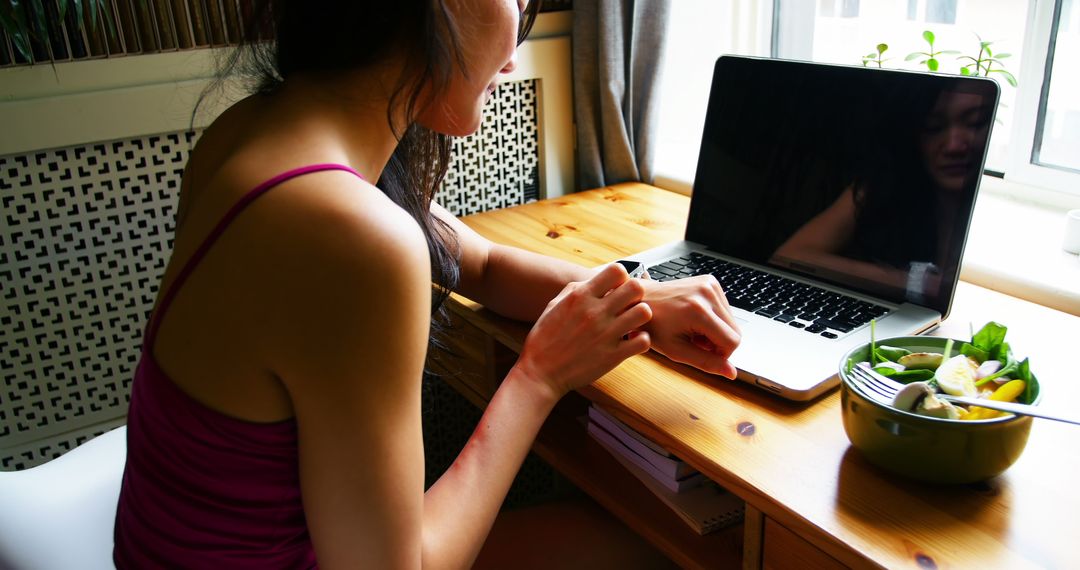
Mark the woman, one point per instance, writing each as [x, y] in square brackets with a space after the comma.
[904, 209]
[275, 416]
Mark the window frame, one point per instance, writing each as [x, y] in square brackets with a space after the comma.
[1030, 97]
[1033, 182]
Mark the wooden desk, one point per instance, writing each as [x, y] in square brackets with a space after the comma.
[812, 501]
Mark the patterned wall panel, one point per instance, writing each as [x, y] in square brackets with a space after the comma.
[499, 166]
[86, 232]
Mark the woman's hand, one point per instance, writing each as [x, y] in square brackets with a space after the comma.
[586, 330]
[692, 323]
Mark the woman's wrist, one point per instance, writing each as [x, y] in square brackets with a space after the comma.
[534, 386]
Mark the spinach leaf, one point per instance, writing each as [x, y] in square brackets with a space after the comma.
[1024, 373]
[989, 337]
[971, 351]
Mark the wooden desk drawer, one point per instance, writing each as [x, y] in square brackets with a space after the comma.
[474, 364]
[784, 549]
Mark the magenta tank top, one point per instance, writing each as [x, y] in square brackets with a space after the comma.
[202, 489]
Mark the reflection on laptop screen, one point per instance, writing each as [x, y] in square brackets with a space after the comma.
[850, 175]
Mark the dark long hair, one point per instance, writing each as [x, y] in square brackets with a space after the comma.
[284, 38]
[893, 183]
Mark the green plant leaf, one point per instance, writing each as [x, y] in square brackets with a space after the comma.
[41, 25]
[914, 55]
[1003, 55]
[1008, 76]
[110, 27]
[932, 64]
[929, 37]
[971, 351]
[990, 336]
[882, 48]
[965, 71]
[78, 11]
[7, 15]
[13, 18]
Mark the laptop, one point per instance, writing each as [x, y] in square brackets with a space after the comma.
[827, 197]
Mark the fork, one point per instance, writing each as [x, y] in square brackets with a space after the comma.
[883, 390]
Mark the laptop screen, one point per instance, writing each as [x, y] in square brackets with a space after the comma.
[859, 177]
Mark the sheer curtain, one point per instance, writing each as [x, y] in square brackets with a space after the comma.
[699, 32]
[617, 50]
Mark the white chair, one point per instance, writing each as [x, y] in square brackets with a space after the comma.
[60, 514]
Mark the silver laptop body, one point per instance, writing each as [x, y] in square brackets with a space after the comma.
[853, 181]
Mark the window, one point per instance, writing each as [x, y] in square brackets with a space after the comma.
[1036, 139]
[701, 31]
[957, 26]
[1057, 138]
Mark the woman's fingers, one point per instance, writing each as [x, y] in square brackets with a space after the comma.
[608, 278]
[637, 342]
[632, 319]
[625, 295]
[693, 323]
[692, 352]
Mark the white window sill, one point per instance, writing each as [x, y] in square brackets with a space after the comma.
[1013, 246]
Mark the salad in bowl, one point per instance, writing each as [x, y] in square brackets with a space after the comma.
[925, 437]
[983, 367]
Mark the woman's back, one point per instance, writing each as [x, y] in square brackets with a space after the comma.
[213, 471]
[202, 488]
[216, 342]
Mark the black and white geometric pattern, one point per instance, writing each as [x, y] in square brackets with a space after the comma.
[86, 233]
[499, 166]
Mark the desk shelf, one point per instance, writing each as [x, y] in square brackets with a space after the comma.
[565, 444]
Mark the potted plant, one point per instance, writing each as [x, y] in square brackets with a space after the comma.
[31, 24]
[982, 64]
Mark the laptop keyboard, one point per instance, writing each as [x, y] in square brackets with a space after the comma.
[800, 305]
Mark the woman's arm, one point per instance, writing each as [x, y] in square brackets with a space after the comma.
[355, 309]
[692, 321]
[826, 233]
[819, 243]
[579, 337]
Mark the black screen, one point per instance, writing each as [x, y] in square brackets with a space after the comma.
[862, 177]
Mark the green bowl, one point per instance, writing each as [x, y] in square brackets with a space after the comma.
[924, 448]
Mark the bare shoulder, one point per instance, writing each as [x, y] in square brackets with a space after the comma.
[347, 267]
[339, 218]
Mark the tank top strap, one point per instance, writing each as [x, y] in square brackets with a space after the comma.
[234, 211]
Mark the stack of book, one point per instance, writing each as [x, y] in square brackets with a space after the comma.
[703, 504]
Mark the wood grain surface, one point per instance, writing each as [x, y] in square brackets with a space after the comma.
[792, 461]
